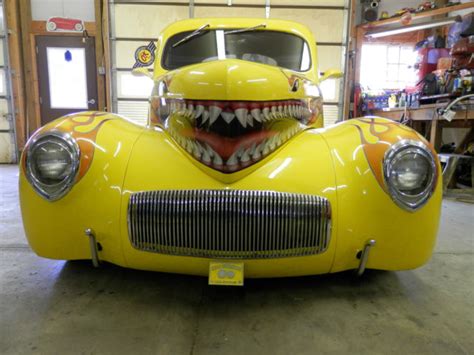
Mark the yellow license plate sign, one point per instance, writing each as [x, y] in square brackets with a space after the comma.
[226, 273]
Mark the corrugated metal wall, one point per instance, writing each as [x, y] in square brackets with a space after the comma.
[135, 23]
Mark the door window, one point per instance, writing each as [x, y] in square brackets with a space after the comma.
[67, 77]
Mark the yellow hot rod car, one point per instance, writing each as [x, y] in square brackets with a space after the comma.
[234, 176]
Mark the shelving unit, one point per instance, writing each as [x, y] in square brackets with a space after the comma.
[425, 14]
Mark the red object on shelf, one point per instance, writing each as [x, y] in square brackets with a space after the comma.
[427, 60]
[64, 24]
[463, 54]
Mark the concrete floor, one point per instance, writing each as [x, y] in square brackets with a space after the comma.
[56, 307]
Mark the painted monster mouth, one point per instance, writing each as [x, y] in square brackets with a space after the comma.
[231, 135]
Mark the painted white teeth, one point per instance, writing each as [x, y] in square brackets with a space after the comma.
[233, 159]
[206, 157]
[245, 156]
[205, 116]
[199, 110]
[272, 143]
[217, 160]
[197, 150]
[266, 113]
[250, 120]
[227, 116]
[241, 114]
[266, 147]
[189, 146]
[214, 112]
[257, 154]
[256, 113]
[210, 150]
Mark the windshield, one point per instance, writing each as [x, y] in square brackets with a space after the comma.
[268, 47]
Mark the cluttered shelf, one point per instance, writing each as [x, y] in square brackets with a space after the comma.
[431, 119]
[411, 71]
[427, 112]
[397, 18]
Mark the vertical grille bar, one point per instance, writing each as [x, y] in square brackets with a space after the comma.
[229, 223]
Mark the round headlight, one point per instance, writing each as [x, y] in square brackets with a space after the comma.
[52, 163]
[410, 173]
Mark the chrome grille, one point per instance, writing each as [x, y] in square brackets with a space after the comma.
[229, 223]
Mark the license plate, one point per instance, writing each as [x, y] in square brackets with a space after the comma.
[226, 273]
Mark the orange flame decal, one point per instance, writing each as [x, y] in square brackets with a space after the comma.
[378, 138]
[83, 127]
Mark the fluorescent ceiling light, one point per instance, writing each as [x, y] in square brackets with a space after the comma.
[411, 28]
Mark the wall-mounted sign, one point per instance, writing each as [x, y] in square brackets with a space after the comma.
[62, 24]
[145, 55]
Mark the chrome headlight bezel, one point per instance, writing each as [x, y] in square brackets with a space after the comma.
[410, 202]
[53, 192]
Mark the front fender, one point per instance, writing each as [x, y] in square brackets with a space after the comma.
[404, 240]
[56, 229]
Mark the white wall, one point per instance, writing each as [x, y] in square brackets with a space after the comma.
[41, 10]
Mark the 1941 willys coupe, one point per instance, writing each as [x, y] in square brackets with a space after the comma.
[234, 175]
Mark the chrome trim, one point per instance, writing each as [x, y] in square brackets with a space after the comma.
[365, 256]
[71, 146]
[93, 247]
[242, 224]
[406, 201]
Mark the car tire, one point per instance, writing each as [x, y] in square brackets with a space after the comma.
[78, 27]
[51, 26]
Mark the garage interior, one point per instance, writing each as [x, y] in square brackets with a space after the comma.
[69, 307]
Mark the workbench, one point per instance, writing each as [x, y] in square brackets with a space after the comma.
[426, 118]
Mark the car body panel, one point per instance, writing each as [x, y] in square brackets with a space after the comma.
[342, 163]
[339, 171]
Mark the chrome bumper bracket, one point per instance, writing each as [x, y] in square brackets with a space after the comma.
[93, 247]
[365, 256]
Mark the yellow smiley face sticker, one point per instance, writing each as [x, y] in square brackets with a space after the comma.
[144, 56]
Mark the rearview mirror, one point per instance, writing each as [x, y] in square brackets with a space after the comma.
[142, 72]
[331, 74]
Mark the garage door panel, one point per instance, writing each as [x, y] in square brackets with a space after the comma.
[276, 2]
[228, 11]
[326, 25]
[234, 2]
[329, 57]
[136, 111]
[2, 56]
[146, 20]
[154, 2]
[331, 114]
[6, 148]
[308, 2]
[132, 86]
[125, 52]
[4, 123]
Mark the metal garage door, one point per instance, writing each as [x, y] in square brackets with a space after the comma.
[136, 23]
[7, 122]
